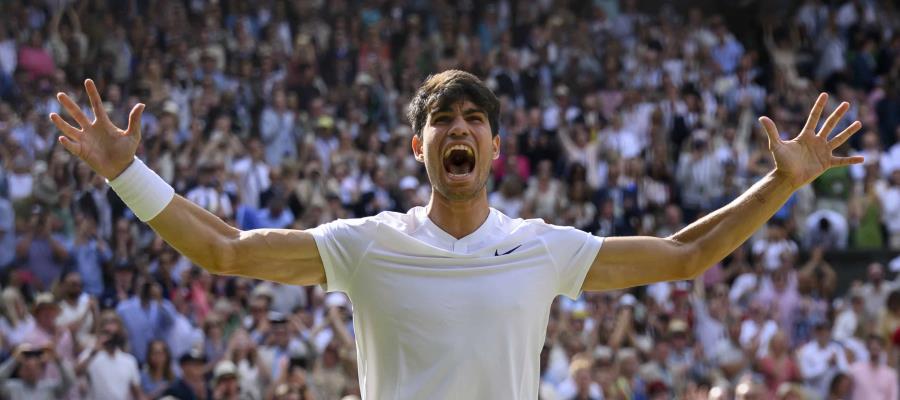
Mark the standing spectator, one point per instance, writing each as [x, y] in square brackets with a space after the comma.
[700, 177]
[112, 373]
[90, 253]
[876, 290]
[252, 174]
[890, 209]
[277, 130]
[873, 379]
[821, 359]
[146, 316]
[77, 308]
[772, 250]
[42, 248]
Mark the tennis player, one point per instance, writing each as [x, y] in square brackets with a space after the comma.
[451, 300]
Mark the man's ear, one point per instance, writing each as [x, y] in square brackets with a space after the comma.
[496, 141]
[417, 148]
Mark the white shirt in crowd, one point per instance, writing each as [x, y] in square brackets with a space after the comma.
[444, 318]
[890, 208]
[80, 311]
[750, 330]
[110, 376]
[815, 366]
[771, 252]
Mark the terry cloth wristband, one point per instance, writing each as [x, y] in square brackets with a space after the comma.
[142, 190]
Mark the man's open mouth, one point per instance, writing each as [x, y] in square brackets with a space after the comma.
[459, 160]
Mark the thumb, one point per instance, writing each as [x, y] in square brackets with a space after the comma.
[771, 131]
[134, 120]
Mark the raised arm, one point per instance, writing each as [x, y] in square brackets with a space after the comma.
[286, 256]
[631, 261]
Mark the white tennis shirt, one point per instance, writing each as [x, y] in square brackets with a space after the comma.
[437, 317]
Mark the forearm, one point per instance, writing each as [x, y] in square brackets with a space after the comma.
[66, 379]
[59, 251]
[716, 235]
[7, 368]
[194, 232]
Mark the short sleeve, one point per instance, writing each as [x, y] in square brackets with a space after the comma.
[341, 244]
[574, 252]
[135, 378]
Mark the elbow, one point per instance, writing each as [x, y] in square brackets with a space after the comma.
[691, 262]
[223, 258]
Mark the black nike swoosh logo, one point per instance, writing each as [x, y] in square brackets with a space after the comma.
[496, 253]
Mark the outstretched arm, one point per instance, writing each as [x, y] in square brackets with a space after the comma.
[286, 256]
[631, 261]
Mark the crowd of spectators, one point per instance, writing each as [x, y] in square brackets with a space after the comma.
[616, 119]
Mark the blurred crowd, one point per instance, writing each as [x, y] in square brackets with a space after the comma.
[617, 118]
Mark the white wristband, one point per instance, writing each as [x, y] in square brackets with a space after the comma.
[142, 190]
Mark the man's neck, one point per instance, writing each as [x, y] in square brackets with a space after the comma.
[459, 218]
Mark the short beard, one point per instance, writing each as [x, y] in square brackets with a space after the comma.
[459, 196]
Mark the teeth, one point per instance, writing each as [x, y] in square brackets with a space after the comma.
[463, 147]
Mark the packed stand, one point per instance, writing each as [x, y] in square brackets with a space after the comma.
[614, 119]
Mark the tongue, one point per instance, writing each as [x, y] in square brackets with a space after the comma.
[459, 169]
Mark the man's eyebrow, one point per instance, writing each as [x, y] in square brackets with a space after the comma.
[467, 111]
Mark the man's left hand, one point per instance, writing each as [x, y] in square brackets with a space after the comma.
[805, 157]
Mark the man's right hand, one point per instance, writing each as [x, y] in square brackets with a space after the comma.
[107, 149]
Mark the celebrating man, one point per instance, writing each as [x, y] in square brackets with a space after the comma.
[451, 300]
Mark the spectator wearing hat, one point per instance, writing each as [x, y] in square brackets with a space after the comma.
[31, 381]
[111, 372]
[192, 384]
[122, 288]
[226, 383]
[46, 333]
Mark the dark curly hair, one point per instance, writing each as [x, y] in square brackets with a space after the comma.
[448, 87]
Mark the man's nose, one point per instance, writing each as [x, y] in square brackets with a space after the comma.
[459, 127]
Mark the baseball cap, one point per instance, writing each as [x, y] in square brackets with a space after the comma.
[192, 356]
[224, 369]
[44, 300]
